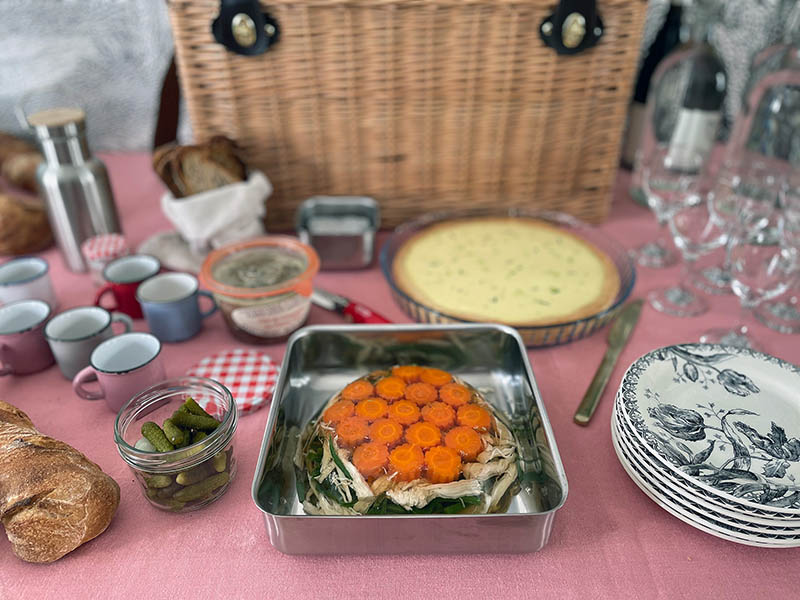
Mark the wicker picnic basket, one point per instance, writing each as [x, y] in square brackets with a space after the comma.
[421, 104]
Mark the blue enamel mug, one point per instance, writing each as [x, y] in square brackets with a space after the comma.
[171, 305]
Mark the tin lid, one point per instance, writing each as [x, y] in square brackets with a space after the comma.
[107, 246]
[250, 375]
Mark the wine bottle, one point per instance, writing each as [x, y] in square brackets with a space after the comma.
[700, 111]
[667, 38]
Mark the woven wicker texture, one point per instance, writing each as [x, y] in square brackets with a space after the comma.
[421, 104]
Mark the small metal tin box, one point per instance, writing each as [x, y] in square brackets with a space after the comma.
[340, 228]
[321, 360]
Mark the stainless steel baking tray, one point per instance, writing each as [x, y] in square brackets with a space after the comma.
[320, 360]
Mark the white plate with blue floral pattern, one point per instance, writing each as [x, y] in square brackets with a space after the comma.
[693, 515]
[724, 419]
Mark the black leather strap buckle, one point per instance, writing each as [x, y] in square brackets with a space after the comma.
[242, 27]
[575, 26]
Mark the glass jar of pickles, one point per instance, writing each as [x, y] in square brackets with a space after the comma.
[177, 438]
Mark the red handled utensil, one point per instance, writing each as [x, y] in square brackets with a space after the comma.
[355, 312]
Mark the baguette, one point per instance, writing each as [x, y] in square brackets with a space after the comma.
[52, 498]
[24, 226]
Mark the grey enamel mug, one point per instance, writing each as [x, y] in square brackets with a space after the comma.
[75, 333]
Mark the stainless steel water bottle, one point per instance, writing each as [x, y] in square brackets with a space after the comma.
[74, 184]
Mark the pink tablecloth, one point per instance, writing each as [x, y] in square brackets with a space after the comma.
[609, 540]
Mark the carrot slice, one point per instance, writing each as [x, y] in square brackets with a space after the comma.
[357, 390]
[472, 415]
[391, 388]
[386, 431]
[352, 431]
[407, 461]
[440, 414]
[404, 412]
[424, 435]
[408, 373]
[444, 464]
[338, 411]
[371, 458]
[466, 441]
[421, 393]
[372, 408]
[436, 377]
[455, 394]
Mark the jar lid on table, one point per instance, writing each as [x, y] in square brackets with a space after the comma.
[104, 247]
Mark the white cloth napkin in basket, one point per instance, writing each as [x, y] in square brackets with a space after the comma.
[212, 219]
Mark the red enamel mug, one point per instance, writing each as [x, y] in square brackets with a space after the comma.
[123, 277]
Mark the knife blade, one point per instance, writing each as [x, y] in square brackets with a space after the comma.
[355, 312]
[618, 335]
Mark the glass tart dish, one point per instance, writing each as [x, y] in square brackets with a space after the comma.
[325, 489]
[552, 277]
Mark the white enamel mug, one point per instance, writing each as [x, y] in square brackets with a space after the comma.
[26, 278]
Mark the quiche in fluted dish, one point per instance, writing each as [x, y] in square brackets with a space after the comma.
[407, 440]
[516, 271]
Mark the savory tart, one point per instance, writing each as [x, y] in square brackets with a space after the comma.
[517, 271]
[407, 440]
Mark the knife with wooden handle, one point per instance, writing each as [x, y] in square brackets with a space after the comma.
[618, 336]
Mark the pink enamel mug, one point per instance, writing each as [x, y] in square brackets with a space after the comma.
[23, 348]
[122, 366]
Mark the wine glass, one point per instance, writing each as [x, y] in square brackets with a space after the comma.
[741, 194]
[783, 314]
[669, 177]
[762, 268]
[695, 234]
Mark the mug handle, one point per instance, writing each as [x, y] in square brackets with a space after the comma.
[86, 375]
[4, 368]
[127, 322]
[214, 306]
[99, 296]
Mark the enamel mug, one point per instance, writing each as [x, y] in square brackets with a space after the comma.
[124, 275]
[123, 366]
[171, 305]
[23, 348]
[75, 333]
[26, 278]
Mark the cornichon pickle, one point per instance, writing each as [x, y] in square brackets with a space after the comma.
[194, 421]
[175, 434]
[194, 408]
[156, 436]
[168, 491]
[220, 460]
[198, 490]
[192, 475]
[159, 481]
[198, 435]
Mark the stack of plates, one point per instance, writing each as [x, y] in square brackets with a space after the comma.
[712, 434]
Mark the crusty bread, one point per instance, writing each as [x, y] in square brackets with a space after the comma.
[20, 170]
[24, 227]
[52, 498]
[188, 170]
[11, 146]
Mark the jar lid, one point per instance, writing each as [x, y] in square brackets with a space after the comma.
[261, 267]
[106, 246]
[250, 375]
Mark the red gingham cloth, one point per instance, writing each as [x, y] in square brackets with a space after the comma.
[250, 375]
[104, 247]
